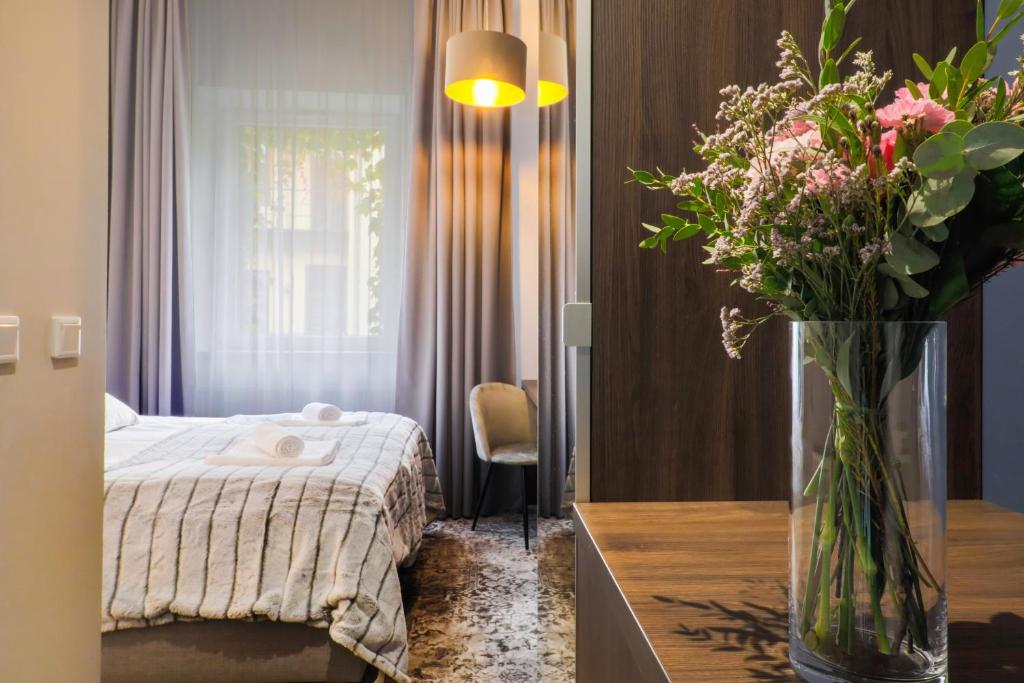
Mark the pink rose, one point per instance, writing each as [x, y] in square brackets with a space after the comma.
[933, 116]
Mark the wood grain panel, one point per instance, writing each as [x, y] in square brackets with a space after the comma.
[705, 584]
[672, 417]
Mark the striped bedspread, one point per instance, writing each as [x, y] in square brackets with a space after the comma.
[317, 545]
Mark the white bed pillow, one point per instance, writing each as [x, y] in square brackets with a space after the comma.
[117, 415]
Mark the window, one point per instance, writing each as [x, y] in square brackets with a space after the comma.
[299, 160]
[322, 191]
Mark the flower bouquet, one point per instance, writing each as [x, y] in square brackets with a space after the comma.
[864, 218]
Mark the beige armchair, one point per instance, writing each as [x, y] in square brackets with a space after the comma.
[505, 430]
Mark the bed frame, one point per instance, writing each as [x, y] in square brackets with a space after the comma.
[230, 652]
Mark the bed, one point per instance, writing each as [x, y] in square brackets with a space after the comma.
[260, 573]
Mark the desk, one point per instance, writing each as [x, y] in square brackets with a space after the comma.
[653, 580]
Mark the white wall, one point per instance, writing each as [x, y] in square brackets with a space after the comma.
[1002, 439]
[53, 206]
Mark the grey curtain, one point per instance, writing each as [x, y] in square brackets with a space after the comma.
[457, 327]
[557, 238]
[148, 302]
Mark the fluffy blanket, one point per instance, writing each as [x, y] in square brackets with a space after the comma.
[316, 545]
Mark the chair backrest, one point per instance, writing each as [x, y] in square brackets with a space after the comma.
[501, 416]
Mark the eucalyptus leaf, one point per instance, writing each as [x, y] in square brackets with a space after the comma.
[909, 286]
[912, 289]
[938, 199]
[940, 156]
[937, 233]
[993, 144]
[909, 256]
[958, 127]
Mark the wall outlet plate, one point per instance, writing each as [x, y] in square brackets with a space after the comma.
[576, 324]
[65, 336]
[10, 334]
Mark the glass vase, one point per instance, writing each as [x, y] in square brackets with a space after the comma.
[867, 599]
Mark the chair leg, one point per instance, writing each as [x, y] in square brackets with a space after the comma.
[480, 500]
[526, 518]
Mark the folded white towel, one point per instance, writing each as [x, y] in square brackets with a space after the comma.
[246, 454]
[276, 442]
[321, 412]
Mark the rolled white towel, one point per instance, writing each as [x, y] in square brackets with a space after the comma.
[321, 412]
[276, 442]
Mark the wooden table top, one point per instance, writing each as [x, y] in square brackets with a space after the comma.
[706, 582]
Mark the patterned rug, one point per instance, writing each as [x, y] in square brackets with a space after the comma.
[481, 608]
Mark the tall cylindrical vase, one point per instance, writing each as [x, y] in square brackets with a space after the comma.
[867, 599]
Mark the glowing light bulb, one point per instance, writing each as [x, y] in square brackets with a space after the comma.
[485, 92]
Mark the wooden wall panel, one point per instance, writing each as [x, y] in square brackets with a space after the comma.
[672, 417]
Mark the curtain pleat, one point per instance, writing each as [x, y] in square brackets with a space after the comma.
[457, 328]
[557, 240]
[148, 298]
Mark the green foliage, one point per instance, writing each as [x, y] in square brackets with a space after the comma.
[940, 156]
[909, 256]
[938, 199]
[976, 61]
[993, 144]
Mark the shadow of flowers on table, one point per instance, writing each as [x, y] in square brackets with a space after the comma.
[743, 626]
[987, 651]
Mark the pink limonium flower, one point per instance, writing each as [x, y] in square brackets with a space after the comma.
[820, 179]
[905, 109]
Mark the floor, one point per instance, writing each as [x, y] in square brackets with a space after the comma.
[482, 608]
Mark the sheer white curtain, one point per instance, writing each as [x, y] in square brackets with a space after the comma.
[299, 164]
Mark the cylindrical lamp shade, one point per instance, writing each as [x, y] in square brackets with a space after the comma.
[485, 69]
[553, 82]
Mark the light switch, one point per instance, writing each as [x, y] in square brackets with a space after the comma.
[65, 336]
[9, 333]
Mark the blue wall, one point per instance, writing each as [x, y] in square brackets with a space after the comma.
[1002, 437]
